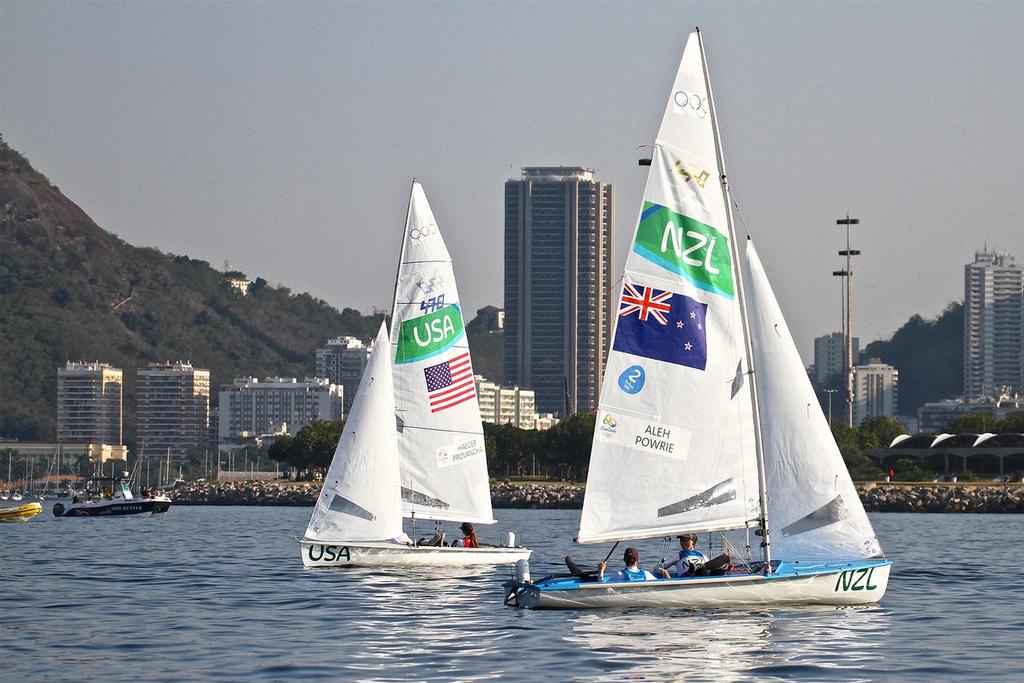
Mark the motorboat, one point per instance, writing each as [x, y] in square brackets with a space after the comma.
[21, 513]
[111, 497]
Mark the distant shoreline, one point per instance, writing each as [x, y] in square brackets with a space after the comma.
[940, 497]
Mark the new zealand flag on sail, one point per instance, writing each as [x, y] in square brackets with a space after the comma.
[662, 325]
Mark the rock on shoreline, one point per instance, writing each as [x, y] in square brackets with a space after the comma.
[988, 498]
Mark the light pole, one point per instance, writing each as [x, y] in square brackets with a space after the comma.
[848, 280]
[830, 392]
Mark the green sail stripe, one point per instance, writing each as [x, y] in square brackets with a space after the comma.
[686, 247]
[428, 335]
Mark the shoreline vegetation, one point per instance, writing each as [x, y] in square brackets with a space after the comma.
[984, 498]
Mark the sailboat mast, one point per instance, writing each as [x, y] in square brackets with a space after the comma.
[401, 256]
[741, 299]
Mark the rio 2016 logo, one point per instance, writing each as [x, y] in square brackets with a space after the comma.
[690, 103]
[632, 379]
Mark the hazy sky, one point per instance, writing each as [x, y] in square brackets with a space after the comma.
[282, 136]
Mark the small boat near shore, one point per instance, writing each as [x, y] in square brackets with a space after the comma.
[111, 497]
[21, 513]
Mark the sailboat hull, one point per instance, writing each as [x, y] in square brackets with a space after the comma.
[850, 583]
[318, 554]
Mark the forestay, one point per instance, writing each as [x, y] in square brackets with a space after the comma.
[814, 510]
[359, 500]
[440, 437]
[674, 443]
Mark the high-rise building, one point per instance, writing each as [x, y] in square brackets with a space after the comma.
[342, 361]
[89, 403]
[559, 232]
[829, 352]
[252, 407]
[875, 390]
[993, 325]
[173, 409]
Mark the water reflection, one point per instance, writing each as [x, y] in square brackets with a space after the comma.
[727, 645]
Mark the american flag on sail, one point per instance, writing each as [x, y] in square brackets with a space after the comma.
[450, 383]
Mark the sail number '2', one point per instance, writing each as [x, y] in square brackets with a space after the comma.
[855, 580]
[329, 553]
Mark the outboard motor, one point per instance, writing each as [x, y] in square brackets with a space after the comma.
[58, 509]
[522, 571]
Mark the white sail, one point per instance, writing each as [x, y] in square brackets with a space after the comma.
[440, 436]
[360, 496]
[674, 442]
[813, 507]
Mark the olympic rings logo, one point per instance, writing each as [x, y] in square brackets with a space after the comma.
[423, 232]
[690, 103]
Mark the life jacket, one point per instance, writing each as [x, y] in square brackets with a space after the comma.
[631, 575]
[468, 542]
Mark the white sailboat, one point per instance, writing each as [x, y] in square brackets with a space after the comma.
[433, 430]
[707, 419]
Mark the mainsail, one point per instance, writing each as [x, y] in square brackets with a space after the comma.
[674, 442]
[814, 510]
[359, 499]
[440, 436]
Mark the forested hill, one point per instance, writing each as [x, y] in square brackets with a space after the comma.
[70, 290]
[929, 355]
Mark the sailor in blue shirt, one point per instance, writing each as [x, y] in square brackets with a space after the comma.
[689, 559]
[632, 570]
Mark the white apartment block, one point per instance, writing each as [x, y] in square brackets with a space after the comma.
[342, 361]
[875, 390]
[993, 325]
[251, 407]
[506, 405]
[89, 403]
[829, 354]
[173, 409]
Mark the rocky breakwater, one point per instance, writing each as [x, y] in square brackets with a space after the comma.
[246, 493]
[564, 496]
[546, 496]
[992, 498]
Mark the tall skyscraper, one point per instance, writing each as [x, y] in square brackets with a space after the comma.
[342, 361]
[829, 352]
[559, 232]
[173, 411]
[993, 325]
[89, 405]
[875, 390]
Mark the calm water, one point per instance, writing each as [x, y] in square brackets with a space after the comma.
[220, 593]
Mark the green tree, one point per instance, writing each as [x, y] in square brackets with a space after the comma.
[884, 429]
[568, 444]
[972, 423]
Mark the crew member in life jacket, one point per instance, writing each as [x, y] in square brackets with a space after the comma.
[469, 540]
[689, 559]
[632, 570]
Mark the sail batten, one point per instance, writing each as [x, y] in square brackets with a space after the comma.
[440, 438]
